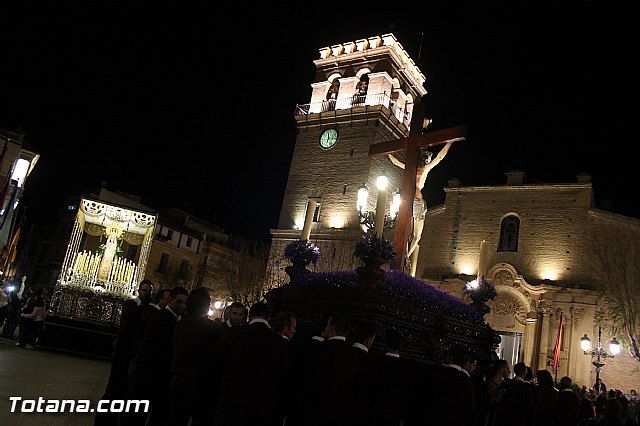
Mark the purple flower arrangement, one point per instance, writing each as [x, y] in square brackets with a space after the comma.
[398, 286]
[372, 246]
[481, 291]
[302, 250]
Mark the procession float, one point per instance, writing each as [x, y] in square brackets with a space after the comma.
[430, 320]
[106, 258]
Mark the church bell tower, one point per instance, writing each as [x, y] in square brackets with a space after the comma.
[363, 93]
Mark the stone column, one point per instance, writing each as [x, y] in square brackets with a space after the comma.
[544, 309]
[529, 353]
[576, 356]
[308, 220]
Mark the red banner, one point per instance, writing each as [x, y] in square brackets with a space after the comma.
[556, 350]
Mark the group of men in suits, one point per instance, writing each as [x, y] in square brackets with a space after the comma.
[195, 370]
[341, 380]
[253, 363]
[260, 371]
[269, 375]
[266, 374]
[519, 401]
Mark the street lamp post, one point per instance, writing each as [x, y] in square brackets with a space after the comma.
[599, 355]
[378, 220]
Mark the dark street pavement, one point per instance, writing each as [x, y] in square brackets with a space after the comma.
[33, 373]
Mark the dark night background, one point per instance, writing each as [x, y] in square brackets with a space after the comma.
[182, 103]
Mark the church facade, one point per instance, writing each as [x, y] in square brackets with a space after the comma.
[546, 247]
[544, 241]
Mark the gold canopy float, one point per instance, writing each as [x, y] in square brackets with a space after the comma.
[105, 260]
[104, 268]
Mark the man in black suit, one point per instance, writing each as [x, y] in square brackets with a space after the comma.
[118, 383]
[455, 396]
[331, 377]
[161, 300]
[150, 373]
[284, 323]
[363, 335]
[302, 348]
[567, 407]
[256, 356]
[524, 413]
[389, 388]
[191, 393]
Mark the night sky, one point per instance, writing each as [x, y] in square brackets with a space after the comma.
[193, 106]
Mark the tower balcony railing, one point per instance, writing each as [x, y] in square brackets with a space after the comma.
[356, 101]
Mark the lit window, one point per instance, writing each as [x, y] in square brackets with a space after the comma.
[509, 230]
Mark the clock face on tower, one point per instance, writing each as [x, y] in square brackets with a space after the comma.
[328, 138]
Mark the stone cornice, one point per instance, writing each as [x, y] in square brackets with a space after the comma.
[523, 187]
[319, 236]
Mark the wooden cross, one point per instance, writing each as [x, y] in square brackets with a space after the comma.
[412, 145]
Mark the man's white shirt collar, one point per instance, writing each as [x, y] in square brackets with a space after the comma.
[318, 338]
[343, 338]
[262, 320]
[155, 306]
[172, 313]
[393, 354]
[360, 346]
[457, 367]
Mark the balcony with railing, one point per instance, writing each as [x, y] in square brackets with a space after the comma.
[356, 101]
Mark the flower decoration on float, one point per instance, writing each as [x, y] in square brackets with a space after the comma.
[397, 286]
[481, 289]
[370, 246]
[302, 251]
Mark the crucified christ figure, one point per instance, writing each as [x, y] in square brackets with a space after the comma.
[425, 164]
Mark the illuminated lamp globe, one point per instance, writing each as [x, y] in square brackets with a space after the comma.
[382, 182]
[614, 346]
[585, 343]
[363, 195]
